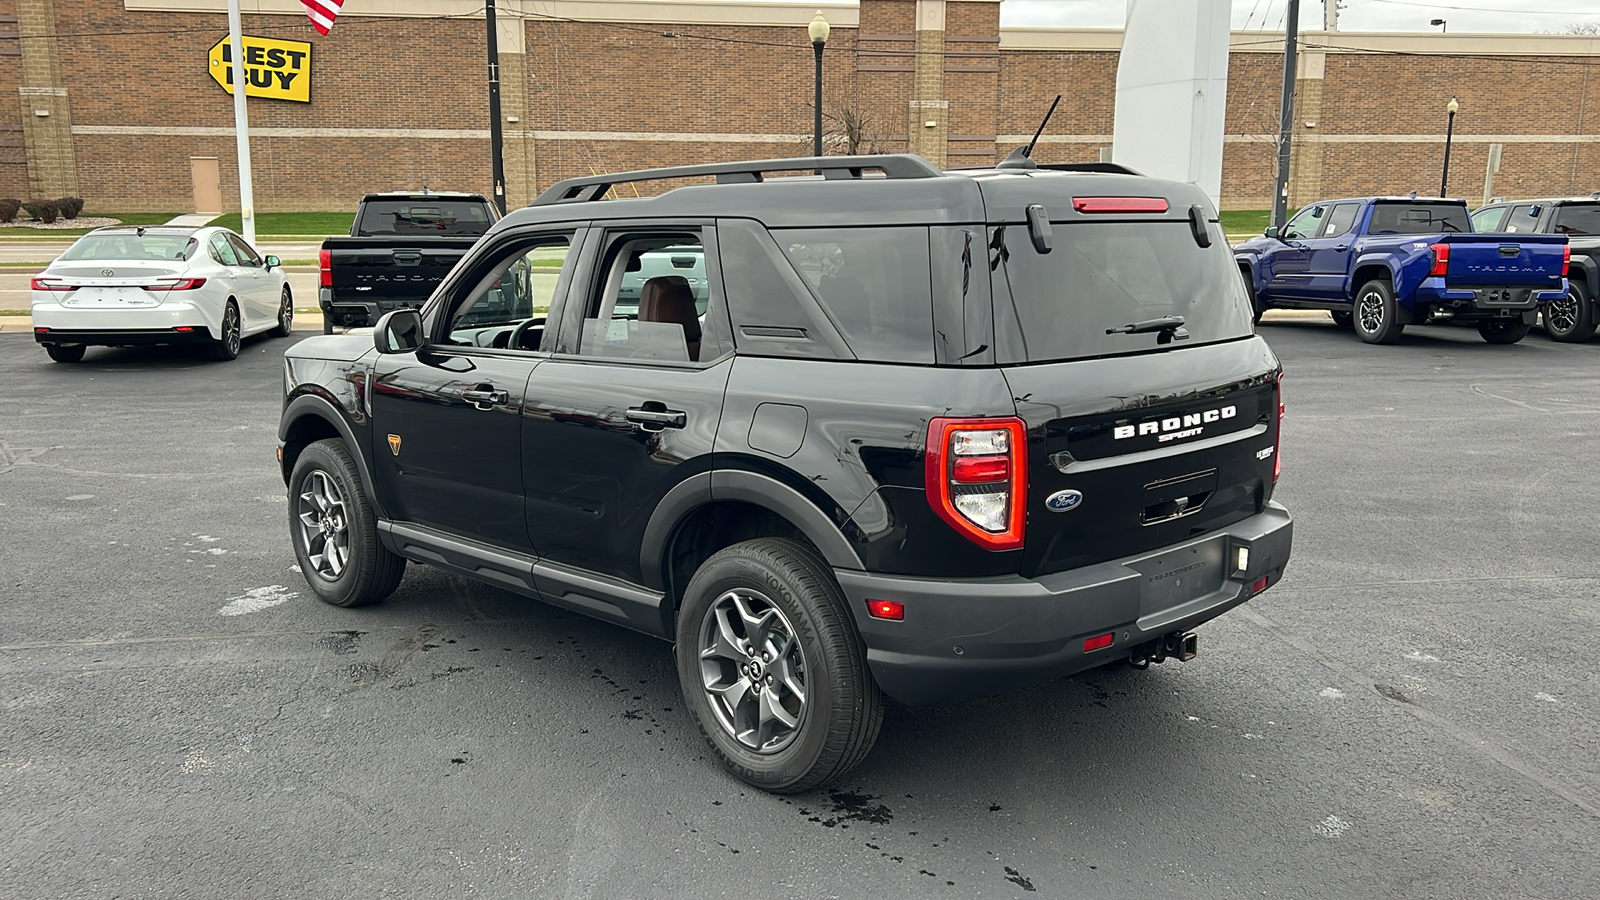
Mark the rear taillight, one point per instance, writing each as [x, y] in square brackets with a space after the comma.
[175, 284]
[1441, 259]
[41, 283]
[325, 267]
[1566, 259]
[977, 478]
[1277, 454]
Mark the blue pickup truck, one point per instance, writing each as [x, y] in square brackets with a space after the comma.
[1382, 263]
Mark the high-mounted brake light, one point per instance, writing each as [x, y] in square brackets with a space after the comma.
[1277, 456]
[175, 284]
[977, 479]
[1566, 259]
[1441, 259]
[325, 267]
[1119, 204]
[40, 283]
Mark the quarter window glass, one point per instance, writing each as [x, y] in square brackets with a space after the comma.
[1303, 225]
[1576, 219]
[874, 285]
[1340, 220]
[1418, 218]
[1488, 220]
[222, 251]
[508, 305]
[1521, 220]
[653, 301]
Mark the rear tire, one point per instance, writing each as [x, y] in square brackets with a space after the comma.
[1571, 320]
[1344, 319]
[1503, 331]
[807, 711]
[1257, 308]
[285, 314]
[327, 324]
[1376, 314]
[226, 347]
[65, 354]
[335, 531]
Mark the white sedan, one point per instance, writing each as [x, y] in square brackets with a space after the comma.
[128, 286]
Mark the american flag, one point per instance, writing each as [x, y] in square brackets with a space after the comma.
[322, 13]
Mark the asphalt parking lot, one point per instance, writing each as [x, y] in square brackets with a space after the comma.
[1413, 712]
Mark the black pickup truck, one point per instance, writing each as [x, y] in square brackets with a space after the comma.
[1571, 319]
[400, 247]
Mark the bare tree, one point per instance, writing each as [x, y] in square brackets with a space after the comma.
[847, 130]
[1581, 28]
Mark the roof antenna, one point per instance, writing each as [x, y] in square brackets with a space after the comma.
[1022, 157]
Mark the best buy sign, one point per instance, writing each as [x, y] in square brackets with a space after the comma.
[277, 69]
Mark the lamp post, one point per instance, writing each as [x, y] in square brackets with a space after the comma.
[818, 29]
[1444, 27]
[1449, 132]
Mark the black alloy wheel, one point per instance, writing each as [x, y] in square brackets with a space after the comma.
[65, 353]
[1377, 316]
[285, 314]
[1572, 319]
[227, 347]
[773, 669]
[335, 531]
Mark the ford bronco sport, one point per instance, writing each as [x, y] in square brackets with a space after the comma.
[931, 435]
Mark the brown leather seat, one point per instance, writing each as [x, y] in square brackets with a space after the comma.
[669, 299]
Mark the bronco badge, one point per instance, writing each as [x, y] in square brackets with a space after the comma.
[1062, 501]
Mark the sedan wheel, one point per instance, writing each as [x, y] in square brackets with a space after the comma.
[285, 314]
[227, 347]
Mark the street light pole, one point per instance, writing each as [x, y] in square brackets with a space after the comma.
[818, 29]
[1449, 132]
[241, 125]
[497, 161]
[1280, 193]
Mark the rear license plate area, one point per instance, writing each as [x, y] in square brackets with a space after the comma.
[1175, 578]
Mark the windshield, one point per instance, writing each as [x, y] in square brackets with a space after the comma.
[1107, 275]
[131, 245]
[430, 216]
[1575, 218]
[1418, 218]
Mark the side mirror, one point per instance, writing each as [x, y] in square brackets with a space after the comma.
[1270, 231]
[273, 262]
[398, 332]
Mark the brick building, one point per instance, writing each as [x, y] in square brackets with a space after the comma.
[115, 101]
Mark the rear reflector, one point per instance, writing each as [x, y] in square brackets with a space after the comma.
[976, 479]
[1098, 643]
[184, 328]
[893, 610]
[1441, 259]
[41, 331]
[1119, 204]
[1259, 585]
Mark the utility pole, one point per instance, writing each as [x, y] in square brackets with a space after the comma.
[1330, 15]
[496, 157]
[241, 125]
[1280, 194]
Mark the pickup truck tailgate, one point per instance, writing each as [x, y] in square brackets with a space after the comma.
[1523, 260]
[365, 270]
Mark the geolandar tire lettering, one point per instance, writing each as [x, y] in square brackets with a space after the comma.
[335, 531]
[773, 669]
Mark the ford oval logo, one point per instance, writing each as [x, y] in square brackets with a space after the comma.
[1062, 501]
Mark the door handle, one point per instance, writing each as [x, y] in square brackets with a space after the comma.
[1342, 247]
[657, 419]
[485, 397]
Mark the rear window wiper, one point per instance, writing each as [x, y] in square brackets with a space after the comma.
[1167, 328]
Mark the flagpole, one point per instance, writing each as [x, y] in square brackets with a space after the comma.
[241, 125]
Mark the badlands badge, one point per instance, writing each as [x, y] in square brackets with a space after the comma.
[394, 444]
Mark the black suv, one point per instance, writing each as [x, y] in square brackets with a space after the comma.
[930, 434]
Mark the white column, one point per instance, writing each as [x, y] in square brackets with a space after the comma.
[241, 124]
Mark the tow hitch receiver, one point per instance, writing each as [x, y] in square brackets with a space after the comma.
[1182, 646]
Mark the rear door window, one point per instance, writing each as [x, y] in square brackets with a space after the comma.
[1341, 219]
[1524, 219]
[1418, 218]
[1104, 276]
[1487, 221]
[874, 285]
[1576, 218]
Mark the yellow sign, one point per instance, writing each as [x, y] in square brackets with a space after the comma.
[280, 70]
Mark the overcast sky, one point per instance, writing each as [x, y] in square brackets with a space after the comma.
[1357, 15]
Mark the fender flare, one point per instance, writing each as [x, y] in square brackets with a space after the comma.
[1585, 268]
[320, 407]
[749, 487]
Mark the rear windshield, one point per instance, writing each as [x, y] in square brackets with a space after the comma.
[1417, 218]
[1107, 275]
[130, 245]
[379, 217]
[1575, 219]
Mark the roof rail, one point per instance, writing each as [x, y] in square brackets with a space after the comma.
[892, 165]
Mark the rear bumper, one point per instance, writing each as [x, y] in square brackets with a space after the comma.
[113, 326]
[359, 313]
[133, 337]
[1484, 301]
[966, 639]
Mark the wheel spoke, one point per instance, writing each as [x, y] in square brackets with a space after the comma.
[758, 695]
[726, 643]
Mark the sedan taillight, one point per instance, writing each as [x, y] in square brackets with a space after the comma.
[175, 284]
[45, 283]
[977, 478]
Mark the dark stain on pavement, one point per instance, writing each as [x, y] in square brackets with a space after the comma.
[1015, 877]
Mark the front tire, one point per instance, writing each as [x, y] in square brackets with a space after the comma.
[1257, 308]
[335, 531]
[65, 353]
[285, 314]
[1503, 331]
[226, 347]
[773, 668]
[1377, 315]
[1571, 320]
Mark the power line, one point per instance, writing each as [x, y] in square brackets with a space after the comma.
[1542, 12]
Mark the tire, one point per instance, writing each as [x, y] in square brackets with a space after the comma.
[1376, 316]
[1344, 319]
[327, 323]
[285, 314]
[815, 671]
[65, 353]
[324, 487]
[1503, 331]
[227, 347]
[1257, 308]
[1572, 319]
